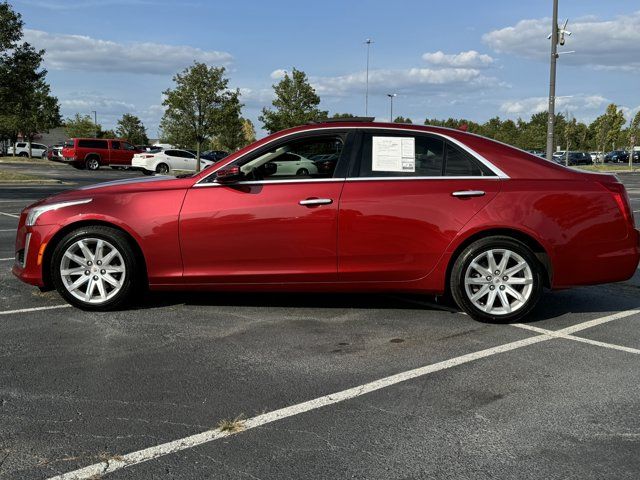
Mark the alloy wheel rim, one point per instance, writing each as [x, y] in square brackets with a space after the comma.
[498, 281]
[92, 270]
[163, 169]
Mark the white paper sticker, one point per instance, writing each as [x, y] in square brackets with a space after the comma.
[393, 154]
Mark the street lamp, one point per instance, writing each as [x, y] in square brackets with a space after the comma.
[391, 95]
[368, 43]
[95, 123]
[556, 37]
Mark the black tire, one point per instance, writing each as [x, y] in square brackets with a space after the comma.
[303, 172]
[92, 163]
[134, 280]
[23, 155]
[162, 168]
[464, 259]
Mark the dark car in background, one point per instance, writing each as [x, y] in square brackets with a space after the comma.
[616, 156]
[214, 155]
[574, 158]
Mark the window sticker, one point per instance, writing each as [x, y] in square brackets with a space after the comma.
[393, 154]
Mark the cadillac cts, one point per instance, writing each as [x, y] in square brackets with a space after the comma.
[377, 207]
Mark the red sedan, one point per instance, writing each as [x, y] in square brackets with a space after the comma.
[349, 207]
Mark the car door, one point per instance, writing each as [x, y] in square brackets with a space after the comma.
[265, 228]
[116, 153]
[404, 202]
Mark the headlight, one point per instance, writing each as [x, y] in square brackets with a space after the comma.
[35, 212]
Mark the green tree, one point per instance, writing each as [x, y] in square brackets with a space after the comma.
[344, 115]
[81, 126]
[26, 105]
[230, 135]
[249, 131]
[402, 120]
[607, 127]
[131, 128]
[296, 103]
[633, 134]
[10, 27]
[195, 106]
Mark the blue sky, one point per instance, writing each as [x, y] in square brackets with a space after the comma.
[473, 59]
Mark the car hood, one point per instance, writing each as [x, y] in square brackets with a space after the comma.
[117, 187]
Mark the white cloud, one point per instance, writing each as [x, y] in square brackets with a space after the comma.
[412, 80]
[79, 52]
[469, 59]
[578, 105]
[278, 74]
[605, 44]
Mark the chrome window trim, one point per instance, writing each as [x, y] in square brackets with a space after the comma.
[499, 173]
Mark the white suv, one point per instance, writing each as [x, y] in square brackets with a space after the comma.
[22, 150]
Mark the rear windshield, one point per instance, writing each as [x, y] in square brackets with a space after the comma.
[68, 143]
[92, 144]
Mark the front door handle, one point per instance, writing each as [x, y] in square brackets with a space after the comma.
[468, 193]
[312, 202]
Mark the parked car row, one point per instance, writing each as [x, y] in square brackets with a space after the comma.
[93, 153]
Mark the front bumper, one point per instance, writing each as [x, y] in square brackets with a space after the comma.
[30, 248]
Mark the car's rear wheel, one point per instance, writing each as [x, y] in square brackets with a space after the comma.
[23, 154]
[302, 172]
[95, 268]
[162, 168]
[92, 163]
[497, 279]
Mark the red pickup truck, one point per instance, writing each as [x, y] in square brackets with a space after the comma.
[92, 153]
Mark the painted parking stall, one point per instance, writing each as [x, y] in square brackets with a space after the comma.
[320, 386]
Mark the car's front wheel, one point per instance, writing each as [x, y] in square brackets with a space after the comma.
[497, 279]
[95, 268]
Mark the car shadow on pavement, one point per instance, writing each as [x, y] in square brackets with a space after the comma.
[552, 304]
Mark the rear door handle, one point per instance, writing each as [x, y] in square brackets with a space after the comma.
[312, 202]
[468, 193]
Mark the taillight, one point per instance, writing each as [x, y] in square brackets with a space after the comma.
[619, 194]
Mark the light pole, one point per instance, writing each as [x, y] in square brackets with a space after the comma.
[556, 37]
[368, 43]
[95, 123]
[391, 95]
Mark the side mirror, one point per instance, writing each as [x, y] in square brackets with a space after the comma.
[229, 175]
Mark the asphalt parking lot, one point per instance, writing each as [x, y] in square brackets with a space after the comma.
[320, 386]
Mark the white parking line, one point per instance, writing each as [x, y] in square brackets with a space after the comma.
[558, 334]
[13, 215]
[151, 453]
[7, 259]
[34, 309]
[8, 230]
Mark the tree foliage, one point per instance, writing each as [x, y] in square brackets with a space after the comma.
[400, 119]
[196, 108]
[296, 103]
[81, 126]
[131, 128]
[26, 104]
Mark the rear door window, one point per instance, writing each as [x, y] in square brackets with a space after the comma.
[401, 155]
[96, 144]
[115, 144]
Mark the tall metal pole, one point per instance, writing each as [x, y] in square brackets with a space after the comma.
[95, 123]
[391, 95]
[552, 80]
[368, 42]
